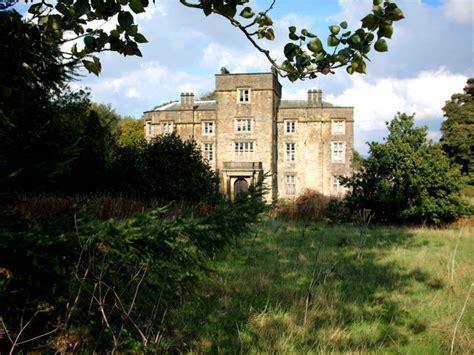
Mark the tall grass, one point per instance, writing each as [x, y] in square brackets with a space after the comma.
[103, 206]
[299, 288]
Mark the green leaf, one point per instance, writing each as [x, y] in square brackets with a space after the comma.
[125, 19]
[319, 57]
[265, 20]
[207, 10]
[342, 59]
[361, 67]
[228, 10]
[286, 65]
[315, 45]
[292, 29]
[381, 45]
[377, 2]
[247, 12]
[136, 6]
[268, 21]
[293, 76]
[370, 22]
[115, 34]
[92, 66]
[132, 30]
[350, 70]
[369, 37]
[386, 31]
[332, 41]
[62, 9]
[35, 8]
[343, 24]
[81, 7]
[355, 39]
[396, 14]
[334, 29]
[290, 50]
[139, 38]
[54, 22]
[293, 36]
[270, 35]
[89, 42]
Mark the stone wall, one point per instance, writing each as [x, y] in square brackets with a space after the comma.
[313, 136]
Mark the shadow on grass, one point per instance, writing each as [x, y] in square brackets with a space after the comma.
[300, 287]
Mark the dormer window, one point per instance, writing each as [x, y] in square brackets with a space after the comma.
[243, 95]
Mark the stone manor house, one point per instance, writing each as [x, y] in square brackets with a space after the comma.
[248, 132]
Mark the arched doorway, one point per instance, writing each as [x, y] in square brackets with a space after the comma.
[241, 187]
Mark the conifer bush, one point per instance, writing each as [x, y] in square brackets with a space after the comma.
[69, 282]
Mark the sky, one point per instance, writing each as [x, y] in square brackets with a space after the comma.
[430, 58]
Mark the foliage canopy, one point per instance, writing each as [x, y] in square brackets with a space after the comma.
[458, 128]
[406, 179]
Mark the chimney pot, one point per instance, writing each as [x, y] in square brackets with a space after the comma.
[315, 97]
[187, 100]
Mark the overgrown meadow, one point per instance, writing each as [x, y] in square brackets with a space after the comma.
[295, 287]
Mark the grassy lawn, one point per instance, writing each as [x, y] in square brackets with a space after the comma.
[296, 288]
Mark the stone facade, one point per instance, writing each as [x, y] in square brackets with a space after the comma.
[248, 132]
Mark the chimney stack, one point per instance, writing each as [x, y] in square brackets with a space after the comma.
[315, 97]
[187, 100]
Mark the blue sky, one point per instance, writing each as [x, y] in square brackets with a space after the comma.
[430, 57]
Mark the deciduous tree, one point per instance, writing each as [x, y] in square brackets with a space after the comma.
[458, 128]
[407, 178]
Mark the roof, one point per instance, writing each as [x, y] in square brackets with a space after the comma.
[198, 105]
[300, 104]
[211, 105]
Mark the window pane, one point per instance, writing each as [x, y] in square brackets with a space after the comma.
[243, 151]
[290, 151]
[243, 95]
[290, 184]
[208, 151]
[290, 126]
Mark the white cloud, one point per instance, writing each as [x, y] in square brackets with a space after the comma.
[217, 56]
[144, 87]
[241, 56]
[459, 10]
[132, 92]
[378, 102]
[425, 40]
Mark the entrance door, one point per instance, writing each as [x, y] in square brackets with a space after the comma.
[241, 187]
